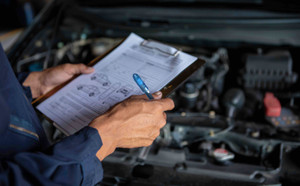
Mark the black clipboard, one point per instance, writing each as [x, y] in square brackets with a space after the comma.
[166, 90]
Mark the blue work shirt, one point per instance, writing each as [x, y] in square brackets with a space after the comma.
[25, 155]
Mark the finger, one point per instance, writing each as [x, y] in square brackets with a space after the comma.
[155, 134]
[165, 115]
[74, 69]
[166, 103]
[156, 95]
[139, 97]
[147, 143]
[164, 121]
[84, 69]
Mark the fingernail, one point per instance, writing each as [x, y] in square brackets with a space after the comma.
[158, 93]
[90, 68]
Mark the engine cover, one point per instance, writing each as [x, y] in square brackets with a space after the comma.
[272, 71]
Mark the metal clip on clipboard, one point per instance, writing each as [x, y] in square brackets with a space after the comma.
[162, 48]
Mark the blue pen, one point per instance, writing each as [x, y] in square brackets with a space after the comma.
[142, 85]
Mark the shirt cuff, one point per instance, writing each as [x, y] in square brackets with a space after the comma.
[92, 167]
[82, 147]
[21, 78]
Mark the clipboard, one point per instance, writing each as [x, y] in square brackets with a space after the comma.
[152, 45]
[166, 90]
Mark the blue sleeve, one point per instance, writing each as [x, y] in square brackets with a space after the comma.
[72, 161]
[21, 78]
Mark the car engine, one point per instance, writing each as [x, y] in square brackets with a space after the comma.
[236, 120]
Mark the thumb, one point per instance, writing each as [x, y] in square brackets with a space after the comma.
[74, 69]
[84, 69]
[157, 95]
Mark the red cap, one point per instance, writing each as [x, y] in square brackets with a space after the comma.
[272, 105]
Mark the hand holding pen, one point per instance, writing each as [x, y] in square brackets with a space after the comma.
[135, 122]
[145, 150]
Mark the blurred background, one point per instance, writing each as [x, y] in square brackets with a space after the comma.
[15, 15]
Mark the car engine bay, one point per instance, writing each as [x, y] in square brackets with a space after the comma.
[236, 120]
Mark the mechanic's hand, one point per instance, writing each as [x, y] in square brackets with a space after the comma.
[135, 122]
[41, 82]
